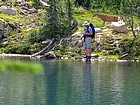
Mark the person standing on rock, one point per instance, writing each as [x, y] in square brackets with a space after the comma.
[87, 34]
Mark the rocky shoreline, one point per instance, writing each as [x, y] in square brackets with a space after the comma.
[68, 58]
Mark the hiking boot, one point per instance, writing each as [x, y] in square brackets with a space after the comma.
[88, 58]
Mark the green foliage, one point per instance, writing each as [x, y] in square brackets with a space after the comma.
[131, 46]
[30, 2]
[129, 10]
[21, 66]
[36, 3]
[81, 15]
[59, 18]
[83, 3]
[33, 48]
[17, 47]
[106, 6]
[37, 35]
[12, 18]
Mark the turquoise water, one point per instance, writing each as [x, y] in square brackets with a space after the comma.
[68, 82]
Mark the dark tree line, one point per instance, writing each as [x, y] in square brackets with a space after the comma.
[106, 5]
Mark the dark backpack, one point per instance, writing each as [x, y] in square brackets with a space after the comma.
[93, 30]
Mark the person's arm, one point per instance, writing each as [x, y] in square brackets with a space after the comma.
[88, 33]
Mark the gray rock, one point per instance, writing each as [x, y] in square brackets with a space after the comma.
[98, 30]
[1, 31]
[10, 11]
[21, 1]
[3, 7]
[5, 43]
[1, 26]
[77, 34]
[119, 27]
[50, 55]
[1, 34]
[32, 10]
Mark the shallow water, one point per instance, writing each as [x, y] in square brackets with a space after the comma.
[71, 82]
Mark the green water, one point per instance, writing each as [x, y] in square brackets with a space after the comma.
[68, 82]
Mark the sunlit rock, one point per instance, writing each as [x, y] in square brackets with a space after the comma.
[119, 27]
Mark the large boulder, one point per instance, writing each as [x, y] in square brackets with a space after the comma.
[119, 27]
[10, 11]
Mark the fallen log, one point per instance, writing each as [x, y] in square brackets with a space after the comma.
[50, 45]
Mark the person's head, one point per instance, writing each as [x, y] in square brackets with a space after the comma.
[86, 24]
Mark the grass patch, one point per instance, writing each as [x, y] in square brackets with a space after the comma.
[12, 18]
[21, 66]
[85, 15]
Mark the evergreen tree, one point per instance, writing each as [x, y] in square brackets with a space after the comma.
[52, 19]
[59, 18]
[70, 14]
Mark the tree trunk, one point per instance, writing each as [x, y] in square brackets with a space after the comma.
[50, 45]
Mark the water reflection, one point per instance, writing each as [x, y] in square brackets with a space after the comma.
[63, 83]
[18, 88]
[51, 83]
[117, 85]
[88, 84]
[73, 83]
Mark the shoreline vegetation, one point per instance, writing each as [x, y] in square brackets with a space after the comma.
[27, 32]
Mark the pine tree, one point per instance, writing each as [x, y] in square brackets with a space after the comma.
[59, 18]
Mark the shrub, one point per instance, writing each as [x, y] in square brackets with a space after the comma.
[36, 35]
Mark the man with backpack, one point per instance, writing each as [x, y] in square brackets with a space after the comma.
[88, 35]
